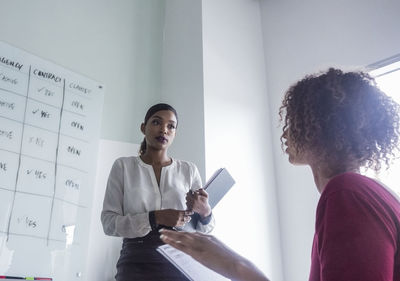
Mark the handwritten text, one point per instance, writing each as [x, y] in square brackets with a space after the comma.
[77, 105]
[9, 105]
[47, 75]
[11, 63]
[7, 79]
[72, 184]
[46, 92]
[29, 222]
[36, 140]
[79, 88]
[73, 150]
[6, 134]
[37, 174]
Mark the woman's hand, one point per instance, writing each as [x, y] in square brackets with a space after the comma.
[212, 253]
[197, 201]
[172, 218]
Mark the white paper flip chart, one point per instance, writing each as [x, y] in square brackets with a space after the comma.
[49, 130]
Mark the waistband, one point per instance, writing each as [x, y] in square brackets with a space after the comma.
[152, 238]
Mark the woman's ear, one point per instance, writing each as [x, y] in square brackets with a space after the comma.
[142, 127]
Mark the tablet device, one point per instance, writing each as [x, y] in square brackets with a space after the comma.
[216, 187]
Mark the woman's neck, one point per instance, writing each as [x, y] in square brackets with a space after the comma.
[156, 158]
[323, 175]
[320, 179]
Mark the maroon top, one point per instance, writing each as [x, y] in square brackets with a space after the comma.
[357, 232]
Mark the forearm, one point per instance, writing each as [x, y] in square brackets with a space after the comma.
[246, 271]
[127, 226]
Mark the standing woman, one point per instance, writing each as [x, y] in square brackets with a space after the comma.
[337, 123]
[150, 192]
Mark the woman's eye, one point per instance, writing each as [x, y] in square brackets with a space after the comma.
[171, 127]
[155, 122]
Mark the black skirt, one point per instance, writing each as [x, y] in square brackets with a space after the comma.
[139, 260]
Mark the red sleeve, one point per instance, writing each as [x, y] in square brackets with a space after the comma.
[354, 240]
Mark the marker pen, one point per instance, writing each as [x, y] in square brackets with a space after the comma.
[25, 278]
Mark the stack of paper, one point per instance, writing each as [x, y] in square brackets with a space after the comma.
[192, 269]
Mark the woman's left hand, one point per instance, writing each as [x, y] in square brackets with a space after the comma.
[197, 201]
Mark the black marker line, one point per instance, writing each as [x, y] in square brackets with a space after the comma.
[73, 168]
[79, 114]
[55, 163]
[39, 101]
[44, 129]
[35, 236]
[6, 189]
[11, 119]
[46, 196]
[71, 203]
[76, 138]
[44, 160]
[12, 92]
[76, 93]
[43, 238]
[19, 157]
[37, 127]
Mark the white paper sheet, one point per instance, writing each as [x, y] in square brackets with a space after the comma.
[192, 269]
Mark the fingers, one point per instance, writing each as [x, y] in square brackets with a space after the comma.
[173, 241]
[179, 240]
[188, 213]
[195, 195]
[183, 218]
[202, 192]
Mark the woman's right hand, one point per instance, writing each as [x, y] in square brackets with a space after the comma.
[215, 255]
[172, 217]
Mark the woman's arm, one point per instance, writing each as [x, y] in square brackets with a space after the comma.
[114, 221]
[212, 253]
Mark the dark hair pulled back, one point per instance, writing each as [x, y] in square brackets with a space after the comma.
[150, 112]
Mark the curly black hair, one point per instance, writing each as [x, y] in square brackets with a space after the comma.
[342, 118]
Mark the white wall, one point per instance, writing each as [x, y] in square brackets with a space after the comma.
[238, 130]
[117, 43]
[302, 37]
[103, 251]
[182, 77]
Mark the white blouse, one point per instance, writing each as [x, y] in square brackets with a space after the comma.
[132, 192]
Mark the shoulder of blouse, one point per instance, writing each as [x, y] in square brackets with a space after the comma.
[186, 166]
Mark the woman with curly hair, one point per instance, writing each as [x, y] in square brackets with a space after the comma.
[337, 123]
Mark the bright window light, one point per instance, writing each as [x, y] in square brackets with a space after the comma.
[388, 80]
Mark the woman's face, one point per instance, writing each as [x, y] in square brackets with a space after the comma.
[160, 130]
[295, 157]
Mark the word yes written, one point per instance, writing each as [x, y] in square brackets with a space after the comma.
[27, 221]
[37, 174]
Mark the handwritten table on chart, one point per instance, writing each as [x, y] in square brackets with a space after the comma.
[49, 129]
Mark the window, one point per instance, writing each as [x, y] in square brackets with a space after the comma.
[387, 76]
